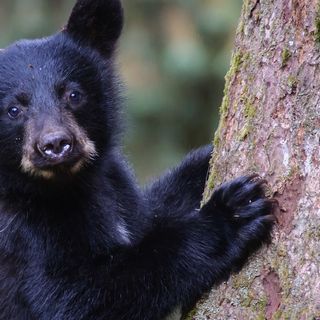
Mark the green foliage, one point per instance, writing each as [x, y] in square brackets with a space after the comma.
[173, 57]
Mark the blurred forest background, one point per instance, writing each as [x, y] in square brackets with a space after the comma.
[173, 58]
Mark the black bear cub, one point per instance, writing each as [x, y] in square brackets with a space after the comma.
[78, 238]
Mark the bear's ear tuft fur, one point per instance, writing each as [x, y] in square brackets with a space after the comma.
[97, 23]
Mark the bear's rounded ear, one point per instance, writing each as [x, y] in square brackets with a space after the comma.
[97, 23]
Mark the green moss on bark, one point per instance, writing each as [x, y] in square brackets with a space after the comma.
[191, 314]
[317, 25]
[285, 57]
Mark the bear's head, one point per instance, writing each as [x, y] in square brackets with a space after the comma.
[59, 95]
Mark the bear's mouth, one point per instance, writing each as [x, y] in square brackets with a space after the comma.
[59, 165]
[38, 164]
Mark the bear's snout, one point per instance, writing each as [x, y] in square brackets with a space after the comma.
[55, 146]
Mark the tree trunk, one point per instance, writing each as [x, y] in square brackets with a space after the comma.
[270, 124]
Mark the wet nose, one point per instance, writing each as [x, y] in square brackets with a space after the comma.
[56, 145]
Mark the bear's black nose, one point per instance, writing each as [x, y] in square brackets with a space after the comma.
[55, 146]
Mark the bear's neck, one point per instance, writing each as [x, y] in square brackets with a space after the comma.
[91, 206]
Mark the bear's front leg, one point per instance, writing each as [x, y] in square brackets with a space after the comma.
[184, 254]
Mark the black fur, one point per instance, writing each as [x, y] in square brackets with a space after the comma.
[92, 244]
[97, 23]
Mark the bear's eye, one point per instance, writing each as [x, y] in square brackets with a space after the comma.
[14, 112]
[75, 97]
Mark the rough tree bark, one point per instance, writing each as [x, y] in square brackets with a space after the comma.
[270, 124]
